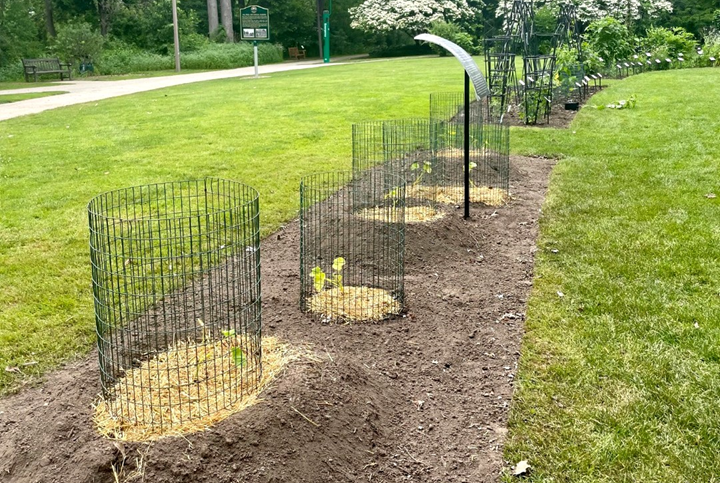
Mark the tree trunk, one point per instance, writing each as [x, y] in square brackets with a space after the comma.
[320, 4]
[49, 21]
[212, 16]
[227, 20]
[104, 8]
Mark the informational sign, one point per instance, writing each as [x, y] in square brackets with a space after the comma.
[254, 23]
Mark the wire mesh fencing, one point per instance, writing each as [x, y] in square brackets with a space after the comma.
[352, 245]
[489, 151]
[401, 149]
[176, 284]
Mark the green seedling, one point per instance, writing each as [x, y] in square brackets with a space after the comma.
[238, 356]
[393, 195]
[237, 353]
[426, 169]
[337, 266]
[319, 277]
[473, 165]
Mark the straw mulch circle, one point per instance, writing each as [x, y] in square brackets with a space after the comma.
[455, 195]
[359, 304]
[413, 214]
[164, 388]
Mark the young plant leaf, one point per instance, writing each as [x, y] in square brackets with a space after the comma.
[414, 167]
[238, 356]
[338, 264]
[318, 278]
[228, 333]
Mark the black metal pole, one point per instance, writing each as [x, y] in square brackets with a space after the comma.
[466, 147]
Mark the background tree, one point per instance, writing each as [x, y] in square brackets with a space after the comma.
[411, 17]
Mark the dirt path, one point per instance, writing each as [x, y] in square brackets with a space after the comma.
[420, 398]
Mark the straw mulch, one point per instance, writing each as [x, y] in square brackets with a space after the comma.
[413, 214]
[359, 304]
[165, 397]
[455, 195]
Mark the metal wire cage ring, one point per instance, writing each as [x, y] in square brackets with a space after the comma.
[176, 285]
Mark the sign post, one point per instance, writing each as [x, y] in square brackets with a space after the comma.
[255, 26]
[326, 35]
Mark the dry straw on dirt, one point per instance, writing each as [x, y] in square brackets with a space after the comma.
[360, 304]
[169, 376]
[455, 195]
[413, 214]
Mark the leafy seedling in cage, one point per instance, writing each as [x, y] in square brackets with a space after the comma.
[393, 195]
[320, 279]
[237, 353]
[473, 165]
[426, 169]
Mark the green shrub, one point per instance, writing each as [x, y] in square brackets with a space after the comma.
[125, 59]
[610, 39]
[453, 33]
[18, 34]
[671, 41]
[12, 72]
[78, 42]
[396, 44]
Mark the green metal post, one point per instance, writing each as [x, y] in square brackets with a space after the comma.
[326, 34]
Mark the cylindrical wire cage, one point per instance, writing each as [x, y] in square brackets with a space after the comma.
[401, 148]
[489, 151]
[176, 283]
[352, 245]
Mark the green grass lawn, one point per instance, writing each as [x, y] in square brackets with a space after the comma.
[139, 75]
[7, 98]
[619, 378]
[267, 133]
[25, 85]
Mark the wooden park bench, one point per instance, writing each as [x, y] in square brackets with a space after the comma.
[35, 67]
[296, 53]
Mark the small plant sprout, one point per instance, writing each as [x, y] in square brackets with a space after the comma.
[237, 353]
[394, 195]
[238, 356]
[473, 165]
[337, 266]
[426, 168]
[319, 277]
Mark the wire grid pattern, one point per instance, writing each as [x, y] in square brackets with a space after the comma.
[398, 148]
[502, 76]
[538, 72]
[336, 220]
[176, 266]
[489, 146]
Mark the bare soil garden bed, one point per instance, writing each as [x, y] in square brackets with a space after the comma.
[422, 397]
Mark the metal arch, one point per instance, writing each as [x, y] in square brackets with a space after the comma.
[476, 77]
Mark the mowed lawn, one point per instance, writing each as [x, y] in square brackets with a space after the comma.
[267, 133]
[619, 378]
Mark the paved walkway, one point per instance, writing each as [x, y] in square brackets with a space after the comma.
[79, 92]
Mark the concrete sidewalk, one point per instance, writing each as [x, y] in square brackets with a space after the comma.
[79, 92]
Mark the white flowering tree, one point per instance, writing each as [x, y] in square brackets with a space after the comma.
[410, 16]
[588, 10]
